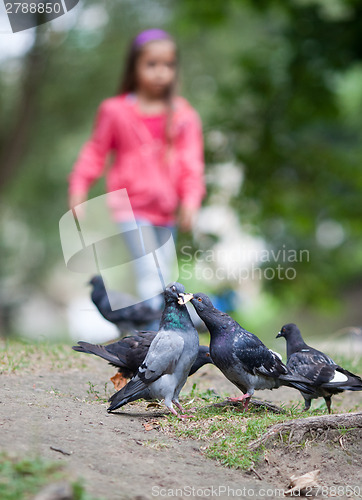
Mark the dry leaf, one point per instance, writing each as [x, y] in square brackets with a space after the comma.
[300, 483]
[118, 381]
[153, 405]
[149, 426]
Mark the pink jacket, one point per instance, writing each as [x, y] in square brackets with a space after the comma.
[158, 179]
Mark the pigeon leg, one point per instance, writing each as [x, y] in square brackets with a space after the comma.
[307, 404]
[246, 403]
[174, 412]
[177, 403]
[245, 398]
[328, 400]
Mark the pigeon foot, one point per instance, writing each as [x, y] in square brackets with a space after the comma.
[179, 406]
[181, 417]
[245, 398]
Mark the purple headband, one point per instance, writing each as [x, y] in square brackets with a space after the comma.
[150, 36]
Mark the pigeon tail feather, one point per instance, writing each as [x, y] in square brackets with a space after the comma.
[99, 350]
[128, 393]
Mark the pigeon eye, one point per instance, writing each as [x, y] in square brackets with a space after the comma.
[174, 288]
[199, 299]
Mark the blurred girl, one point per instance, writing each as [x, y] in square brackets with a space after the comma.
[155, 137]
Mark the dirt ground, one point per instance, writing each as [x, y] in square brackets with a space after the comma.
[43, 411]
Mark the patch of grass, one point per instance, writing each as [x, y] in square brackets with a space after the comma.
[353, 365]
[20, 479]
[156, 445]
[95, 394]
[227, 431]
[22, 355]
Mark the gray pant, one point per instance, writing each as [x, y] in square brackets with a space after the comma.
[154, 255]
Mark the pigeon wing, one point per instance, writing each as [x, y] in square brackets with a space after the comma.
[255, 357]
[311, 366]
[161, 359]
[133, 350]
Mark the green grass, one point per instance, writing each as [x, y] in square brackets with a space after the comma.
[95, 395]
[18, 355]
[227, 431]
[21, 479]
[353, 365]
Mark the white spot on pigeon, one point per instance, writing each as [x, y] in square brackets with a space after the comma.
[276, 354]
[339, 377]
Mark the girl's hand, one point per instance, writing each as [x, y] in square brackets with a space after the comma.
[187, 217]
[77, 199]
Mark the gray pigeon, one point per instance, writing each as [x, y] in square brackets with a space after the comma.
[241, 356]
[170, 357]
[326, 377]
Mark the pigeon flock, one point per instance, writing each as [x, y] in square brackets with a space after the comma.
[155, 365]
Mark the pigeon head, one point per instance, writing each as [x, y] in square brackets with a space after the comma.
[204, 353]
[96, 281]
[173, 291]
[175, 315]
[202, 359]
[288, 330]
[202, 304]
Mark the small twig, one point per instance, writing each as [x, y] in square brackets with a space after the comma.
[256, 473]
[341, 443]
[60, 450]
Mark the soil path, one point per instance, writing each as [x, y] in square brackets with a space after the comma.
[114, 454]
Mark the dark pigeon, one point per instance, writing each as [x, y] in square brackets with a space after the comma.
[326, 377]
[241, 355]
[170, 357]
[127, 319]
[127, 354]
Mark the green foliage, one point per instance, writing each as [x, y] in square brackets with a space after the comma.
[20, 478]
[280, 81]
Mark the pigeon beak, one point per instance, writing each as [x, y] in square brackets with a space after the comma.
[279, 335]
[184, 298]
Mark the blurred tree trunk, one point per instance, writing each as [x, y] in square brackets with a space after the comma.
[16, 142]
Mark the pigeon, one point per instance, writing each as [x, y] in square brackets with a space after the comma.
[127, 319]
[326, 377]
[128, 353]
[169, 359]
[241, 356]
